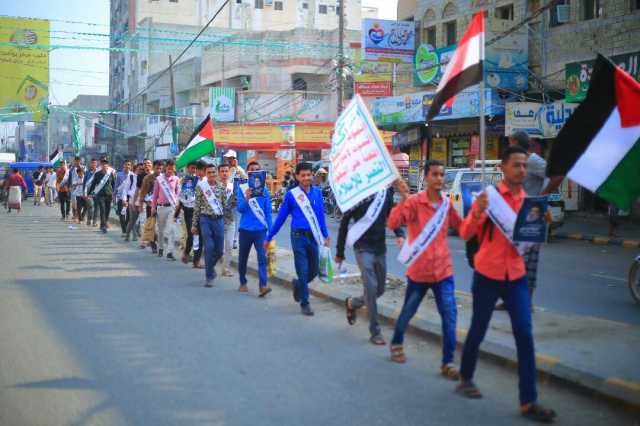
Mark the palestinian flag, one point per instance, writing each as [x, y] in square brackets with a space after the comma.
[200, 144]
[599, 146]
[464, 68]
[56, 157]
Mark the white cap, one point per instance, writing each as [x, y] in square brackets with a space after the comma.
[230, 153]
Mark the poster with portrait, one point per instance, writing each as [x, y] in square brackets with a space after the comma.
[257, 182]
[530, 225]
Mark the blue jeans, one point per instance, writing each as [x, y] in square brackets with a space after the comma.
[306, 259]
[213, 235]
[247, 239]
[515, 295]
[444, 292]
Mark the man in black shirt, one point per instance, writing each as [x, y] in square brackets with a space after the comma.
[141, 171]
[38, 181]
[367, 235]
[102, 188]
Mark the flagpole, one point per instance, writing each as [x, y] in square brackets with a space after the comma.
[481, 113]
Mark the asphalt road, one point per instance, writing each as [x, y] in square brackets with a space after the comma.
[574, 277]
[96, 332]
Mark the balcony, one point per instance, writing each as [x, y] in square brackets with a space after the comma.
[295, 105]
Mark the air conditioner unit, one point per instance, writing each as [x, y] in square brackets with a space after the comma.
[563, 12]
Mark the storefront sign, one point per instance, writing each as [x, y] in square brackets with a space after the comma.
[506, 61]
[369, 71]
[537, 119]
[406, 138]
[400, 109]
[222, 102]
[467, 104]
[430, 63]
[388, 41]
[438, 149]
[360, 163]
[578, 74]
[374, 88]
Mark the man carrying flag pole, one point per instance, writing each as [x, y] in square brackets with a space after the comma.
[200, 144]
[499, 270]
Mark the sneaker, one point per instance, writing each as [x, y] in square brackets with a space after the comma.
[296, 290]
[306, 310]
[235, 244]
[208, 283]
[243, 288]
[264, 291]
[501, 307]
[170, 257]
[160, 253]
[227, 274]
[126, 239]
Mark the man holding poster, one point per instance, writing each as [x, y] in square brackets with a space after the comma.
[308, 232]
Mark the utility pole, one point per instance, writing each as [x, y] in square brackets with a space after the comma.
[174, 122]
[340, 56]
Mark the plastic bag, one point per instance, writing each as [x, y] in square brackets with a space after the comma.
[325, 272]
[149, 229]
[271, 259]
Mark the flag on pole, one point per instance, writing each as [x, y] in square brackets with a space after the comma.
[464, 68]
[599, 146]
[76, 134]
[200, 144]
[56, 157]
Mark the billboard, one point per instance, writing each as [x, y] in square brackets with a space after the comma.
[578, 74]
[537, 119]
[24, 67]
[222, 102]
[388, 41]
[430, 63]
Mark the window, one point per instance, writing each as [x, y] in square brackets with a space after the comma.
[505, 12]
[238, 1]
[450, 35]
[430, 36]
[173, 1]
[300, 84]
[259, 4]
[592, 9]
[305, 5]
[558, 15]
[322, 9]
[338, 10]
[278, 5]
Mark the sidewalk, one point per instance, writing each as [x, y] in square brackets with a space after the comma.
[594, 355]
[595, 229]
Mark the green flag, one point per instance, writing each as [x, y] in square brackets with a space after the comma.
[76, 134]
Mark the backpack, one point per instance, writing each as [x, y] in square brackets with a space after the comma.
[473, 245]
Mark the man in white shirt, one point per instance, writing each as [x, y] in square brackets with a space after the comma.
[235, 171]
[125, 189]
[50, 187]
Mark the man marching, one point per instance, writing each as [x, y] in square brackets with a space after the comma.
[308, 232]
[125, 187]
[166, 191]
[90, 202]
[63, 183]
[38, 181]
[499, 272]
[145, 195]
[428, 216]
[255, 222]
[185, 203]
[102, 189]
[229, 218]
[368, 239]
[235, 171]
[208, 212]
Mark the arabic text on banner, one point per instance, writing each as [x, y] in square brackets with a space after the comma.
[360, 162]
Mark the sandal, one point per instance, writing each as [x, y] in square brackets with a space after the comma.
[538, 413]
[450, 371]
[264, 291]
[352, 316]
[377, 340]
[397, 354]
[468, 389]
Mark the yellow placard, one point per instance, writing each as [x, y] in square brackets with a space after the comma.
[24, 68]
[439, 149]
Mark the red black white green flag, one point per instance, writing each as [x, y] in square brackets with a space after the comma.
[464, 68]
[599, 146]
[200, 144]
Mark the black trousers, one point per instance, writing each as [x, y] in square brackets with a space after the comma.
[83, 205]
[65, 204]
[124, 218]
[188, 220]
[104, 205]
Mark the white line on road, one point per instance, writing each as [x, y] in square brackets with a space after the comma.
[609, 277]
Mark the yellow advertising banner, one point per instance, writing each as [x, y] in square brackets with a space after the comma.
[439, 149]
[370, 72]
[24, 68]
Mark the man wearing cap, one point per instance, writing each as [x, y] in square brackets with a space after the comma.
[235, 171]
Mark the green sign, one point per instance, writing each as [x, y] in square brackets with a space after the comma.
[430, 63]
[578, 74]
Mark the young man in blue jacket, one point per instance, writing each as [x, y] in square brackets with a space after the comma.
[255, 222]
[308, 232]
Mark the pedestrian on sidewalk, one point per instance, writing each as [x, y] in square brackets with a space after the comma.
[63, 183]
[166, 191]
[500, 272]
[142, 170]
[208, 211]
[51, 187]
[255, 222]
[428, 216]
[368, 239]
[229, 219]
[125, 187]
[145, 196]
[101, 189]
[308, 231]
[91, 208]
[185, 203]
[38, 180]
[15, 185]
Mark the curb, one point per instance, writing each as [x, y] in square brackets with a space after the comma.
[597, 239]
[549, 368]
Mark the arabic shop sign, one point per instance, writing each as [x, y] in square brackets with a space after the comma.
[388, 41]
[222, 102]
[578, 74]
[430, 63]
[537, 119]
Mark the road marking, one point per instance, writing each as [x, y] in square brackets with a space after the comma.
[609, 277]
